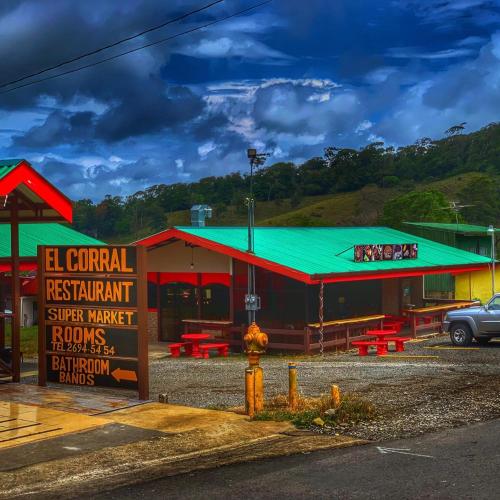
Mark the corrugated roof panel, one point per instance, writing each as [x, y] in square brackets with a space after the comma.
[32, 235]
[326, 250]
[456, 228]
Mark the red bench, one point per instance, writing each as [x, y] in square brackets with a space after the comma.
[222, 349]
[399, 341]
[363, 345]
[175, 349]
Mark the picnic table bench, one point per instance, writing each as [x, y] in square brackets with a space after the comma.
[222, 349]
[175, 349]
[362, 345]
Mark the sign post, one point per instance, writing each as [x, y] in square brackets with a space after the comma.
[93, 317]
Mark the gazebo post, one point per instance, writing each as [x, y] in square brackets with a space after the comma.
[16, 324]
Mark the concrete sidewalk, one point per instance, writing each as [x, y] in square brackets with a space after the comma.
[91, 453]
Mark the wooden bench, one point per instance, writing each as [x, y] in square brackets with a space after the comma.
[362, 345]
[175, 349]
[222, 349]
[399, 341]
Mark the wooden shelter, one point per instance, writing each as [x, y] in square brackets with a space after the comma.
[25, 196]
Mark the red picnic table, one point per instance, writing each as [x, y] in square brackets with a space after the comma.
[381, 334]
[381, 342]
[195, 338]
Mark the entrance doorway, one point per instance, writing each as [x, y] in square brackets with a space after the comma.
[180, 301]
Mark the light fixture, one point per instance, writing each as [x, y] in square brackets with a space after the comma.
[192, 259]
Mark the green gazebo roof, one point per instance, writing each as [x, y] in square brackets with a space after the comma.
[32, 235]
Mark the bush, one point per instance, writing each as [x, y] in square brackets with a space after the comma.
[390, 181]
[352, 408]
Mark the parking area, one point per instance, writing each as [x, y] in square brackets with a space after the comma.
[431, 385]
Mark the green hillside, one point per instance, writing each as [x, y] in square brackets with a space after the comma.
[344, 186]
[361, 207]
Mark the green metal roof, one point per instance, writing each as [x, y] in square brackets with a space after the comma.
[31, 235]
[455, 228]
[6, 166]
[328, 250]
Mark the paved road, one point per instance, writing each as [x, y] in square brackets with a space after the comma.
[458, 463]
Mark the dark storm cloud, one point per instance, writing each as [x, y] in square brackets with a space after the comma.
[59, 128]
[144, 112]
[286, 79]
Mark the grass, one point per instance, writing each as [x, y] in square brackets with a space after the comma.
[29, 340]
[352, 409]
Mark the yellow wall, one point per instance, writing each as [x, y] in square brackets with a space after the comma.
[476, 285]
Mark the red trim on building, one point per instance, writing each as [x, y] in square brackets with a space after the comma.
[23, 266]
[401, 274]
[196, 279]
[216, 279]
[25, 174]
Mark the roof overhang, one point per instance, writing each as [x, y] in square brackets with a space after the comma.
[164, 237]
[36, 199]
[399, 273]
[169, 235]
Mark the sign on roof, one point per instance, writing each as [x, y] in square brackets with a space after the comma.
[93, 320]
[370, 253]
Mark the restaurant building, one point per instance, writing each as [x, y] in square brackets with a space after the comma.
[314, 283]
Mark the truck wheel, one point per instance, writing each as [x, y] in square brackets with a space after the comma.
[461, 334]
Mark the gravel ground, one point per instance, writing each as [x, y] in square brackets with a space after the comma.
[430, 386]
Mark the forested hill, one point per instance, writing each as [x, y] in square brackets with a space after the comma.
[283, 187]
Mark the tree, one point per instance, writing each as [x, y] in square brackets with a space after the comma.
[456, 129]
[417, 206]
[483, 194]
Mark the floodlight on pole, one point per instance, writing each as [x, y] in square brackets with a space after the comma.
[252, 300]
[491, 232]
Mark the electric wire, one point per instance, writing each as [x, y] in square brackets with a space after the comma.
[111, 45]
[116, 56]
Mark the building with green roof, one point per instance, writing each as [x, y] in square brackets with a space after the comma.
[200, 273]
[469, 237]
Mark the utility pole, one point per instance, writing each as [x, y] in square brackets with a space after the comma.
[491, 232]
[252, 300]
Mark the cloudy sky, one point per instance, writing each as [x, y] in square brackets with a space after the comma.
[290, 77]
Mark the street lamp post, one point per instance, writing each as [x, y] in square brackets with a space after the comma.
[491, 232]
[255, 340]
[252, 300]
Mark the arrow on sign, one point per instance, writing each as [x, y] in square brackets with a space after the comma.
[401, 451]
[119, 374]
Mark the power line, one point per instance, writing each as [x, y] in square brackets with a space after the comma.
[114, 44]
[116, 56]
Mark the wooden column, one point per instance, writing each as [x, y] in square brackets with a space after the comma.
[16, 292]
[142, 320]
[42, 348]
[158, 305]
[2, 319]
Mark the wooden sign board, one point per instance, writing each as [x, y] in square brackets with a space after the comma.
[93, 316]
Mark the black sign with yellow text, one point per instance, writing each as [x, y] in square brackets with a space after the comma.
[94, 316]
[92, 371]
